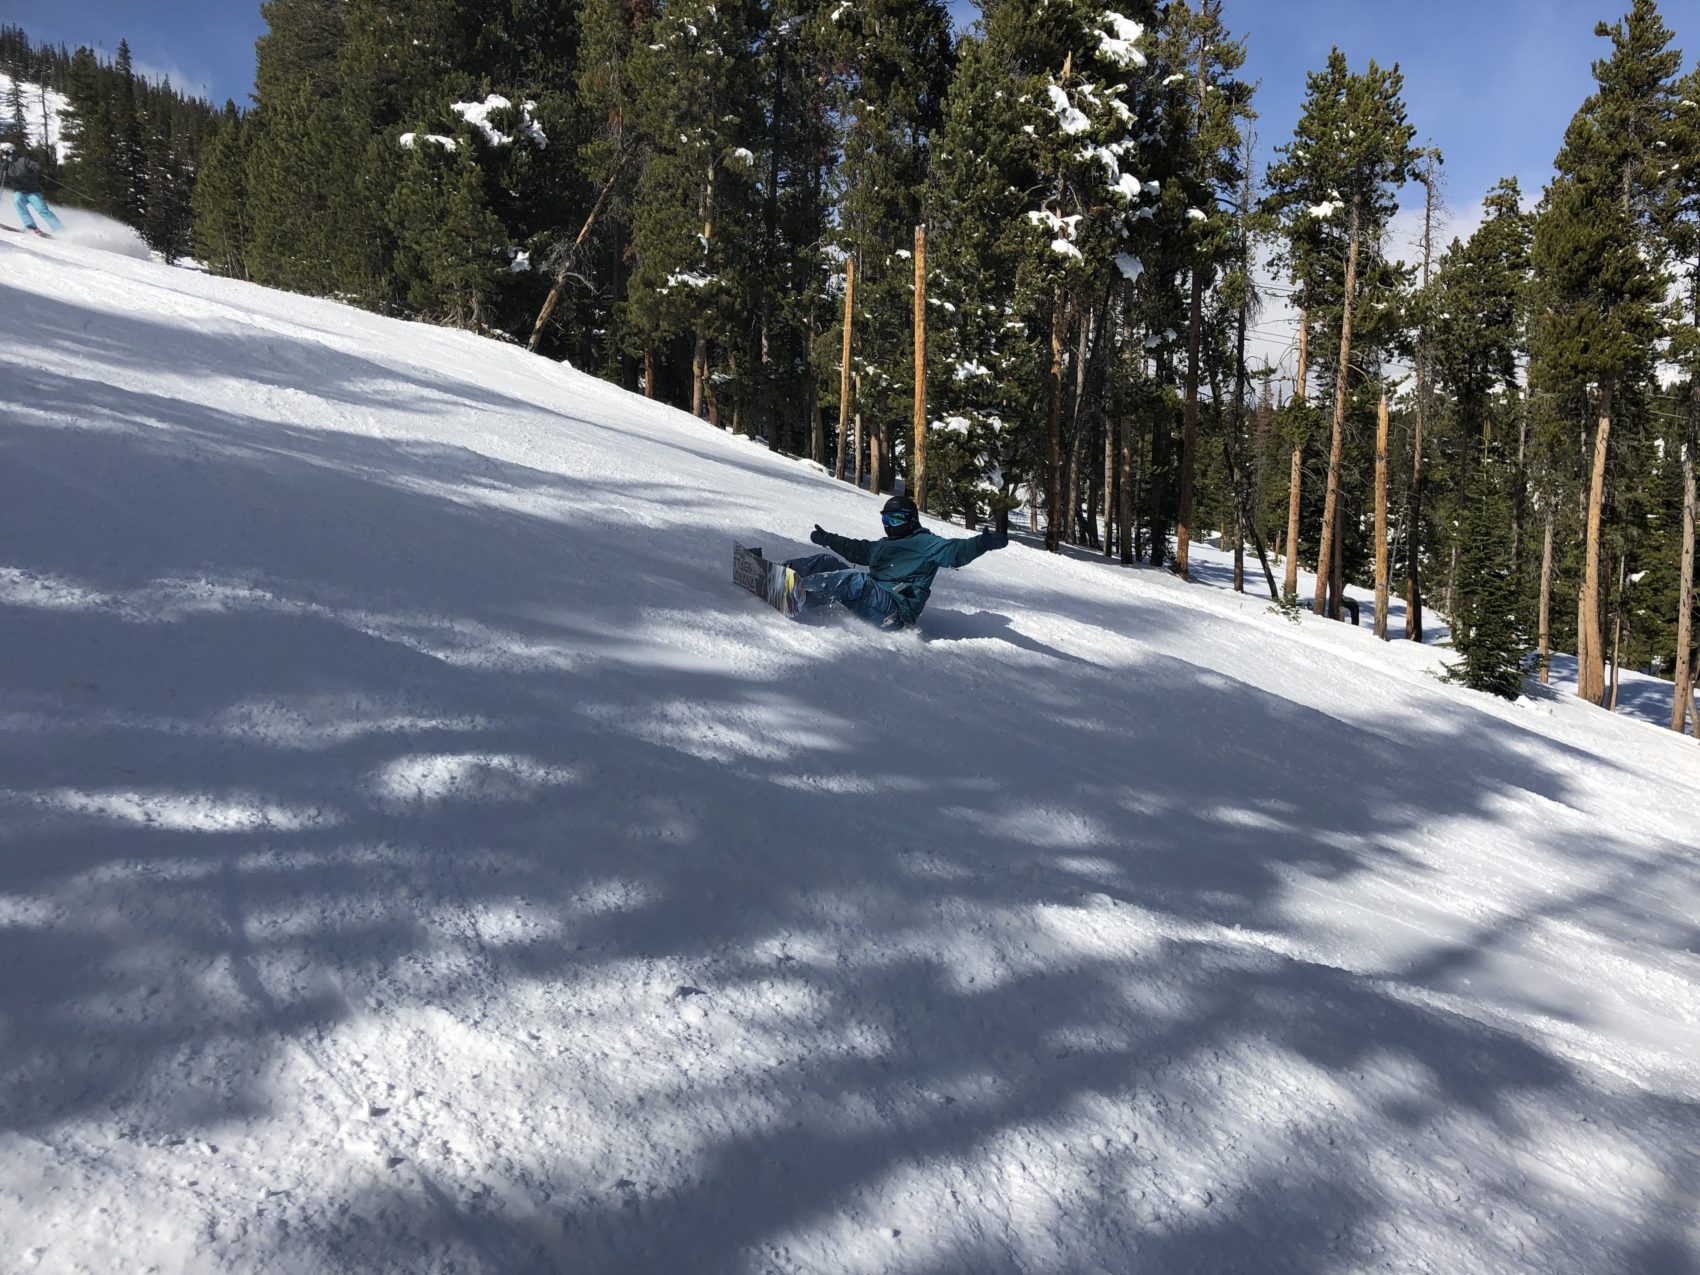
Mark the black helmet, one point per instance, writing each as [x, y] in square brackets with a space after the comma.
[900, 517]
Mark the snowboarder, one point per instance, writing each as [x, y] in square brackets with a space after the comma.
[23, 175]
[901, 567]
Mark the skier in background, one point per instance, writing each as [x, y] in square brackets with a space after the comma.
[901, 567]
[23, 175]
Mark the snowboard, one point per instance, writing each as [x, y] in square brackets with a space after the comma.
[773, 582]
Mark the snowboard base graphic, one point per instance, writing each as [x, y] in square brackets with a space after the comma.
[773, 582]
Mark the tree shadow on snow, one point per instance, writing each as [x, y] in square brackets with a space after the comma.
[665, 937]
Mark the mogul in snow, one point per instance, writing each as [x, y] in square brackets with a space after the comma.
[23, 175]
[894, 589]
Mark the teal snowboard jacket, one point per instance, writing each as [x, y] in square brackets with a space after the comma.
[907, 566]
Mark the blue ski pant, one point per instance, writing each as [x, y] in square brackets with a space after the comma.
[24, 203]
[830, 581]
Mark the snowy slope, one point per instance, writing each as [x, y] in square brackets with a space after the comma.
[1641, 696]
[415, 856]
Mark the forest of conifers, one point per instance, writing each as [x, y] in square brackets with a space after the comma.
[770, 214]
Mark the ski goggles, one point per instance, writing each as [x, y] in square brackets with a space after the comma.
[896, 518]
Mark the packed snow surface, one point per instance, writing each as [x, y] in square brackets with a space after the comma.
[415, 855]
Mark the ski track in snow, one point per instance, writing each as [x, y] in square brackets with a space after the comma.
[416, 856]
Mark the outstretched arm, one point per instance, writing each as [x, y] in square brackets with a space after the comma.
[857, 551]
[959, 553]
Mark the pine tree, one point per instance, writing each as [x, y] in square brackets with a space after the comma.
[167, 223]
[695, 89]
[1591, 244]
[1680, 223]
[320, 166]
[299, 47]
[1351, 152]
[15, 129]
[219, 204]
[989, 357]
[1211, 171]
[89, 132]
[449, 258]
[129, 154]
[1074, 71]
[1487, 627]
[1481, 310]
[891, 62]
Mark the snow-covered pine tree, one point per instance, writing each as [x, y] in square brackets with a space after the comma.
[1072, 69]
[986, 358]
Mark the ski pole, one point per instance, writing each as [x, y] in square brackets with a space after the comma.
[69, 187]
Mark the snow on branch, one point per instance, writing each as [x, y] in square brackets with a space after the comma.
[478, 115]
[409, 140]
[1118, 43]
[1070, 117]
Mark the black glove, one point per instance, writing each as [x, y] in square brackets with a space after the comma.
[818, 536]
[994, 539]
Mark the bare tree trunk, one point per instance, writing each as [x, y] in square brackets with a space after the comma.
[1545, 649]
[1335, 607]
[699, 360]
[1414, 499]
[857, 446]
[1326, 552]
[1686, 701]
[1590, 652]
[709, 396]
[1617, 628]
[699, 374]
[1055, 517]
[1126, 493]
[1518, 497]
[1109, 486]
[649, 371]
[564, 271]
[817, 416]
[1136, 529]
[1381, 520]
[1685, 604]
[1452, 583]
[1290, 586]
[1075, 530]
[877, 456]
[844, 375]
[1189, 427]
[918, 462]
